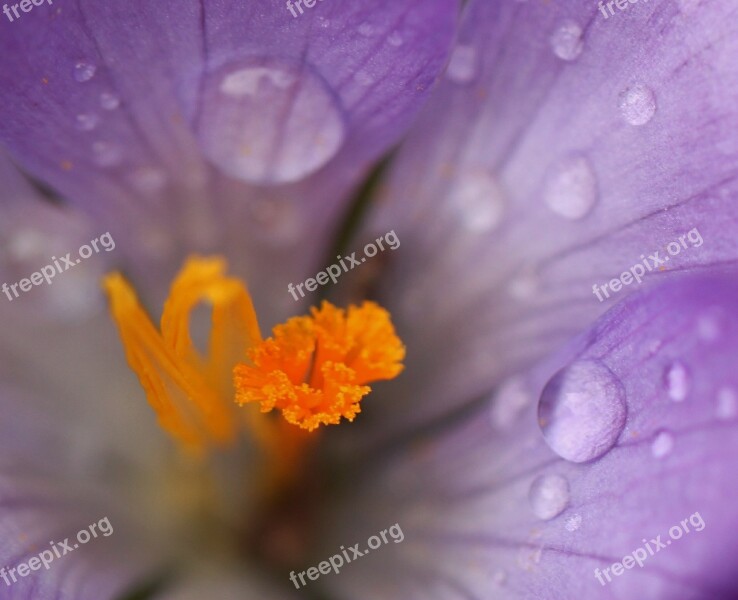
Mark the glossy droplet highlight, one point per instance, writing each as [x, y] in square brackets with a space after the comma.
[477, 200]
[677, 381]
[463, 66]
[509, 402]
[566, 41]
[727, 404]
[570, 187]
[269, 122]
[637, 104]
[86, 122]
[84, 71]
[582, 411]
[662, 444]
[109, 101]
[549, 496]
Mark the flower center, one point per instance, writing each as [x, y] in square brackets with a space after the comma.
[314, 369]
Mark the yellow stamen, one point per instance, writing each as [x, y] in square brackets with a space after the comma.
[314, 369]
[192, 395]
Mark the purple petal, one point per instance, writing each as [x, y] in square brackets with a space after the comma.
[549, 162]
[169, 119]
[492, 510]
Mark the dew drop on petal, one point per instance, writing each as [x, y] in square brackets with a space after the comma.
[106, 154]
[548, 496]
[509, 402]
[148, 179]
[366, 29]
[395, 39]
[662, 444]
[84, 71]
[637, 104]
[677, 381]
[477, 200]
[570, 188]
[566, 41]
[269, 121]
[582, 411]
[500, 577]
[727, 404]
[109, 101]
[464, 64]
[573, 523]
[86, 121]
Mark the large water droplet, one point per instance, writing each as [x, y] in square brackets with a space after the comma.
[582, 411]
[570, 189]
[464, 64]
[84, 71]
[269, 122]
[509, 402]
[637, 104]
[477, 199]
[109, 101]
[662, 444]
[677, 381]
[727, 404]
[549, 496]
[566, 41]
[87, 122]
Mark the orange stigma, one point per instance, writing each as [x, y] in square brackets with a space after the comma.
[315, 369]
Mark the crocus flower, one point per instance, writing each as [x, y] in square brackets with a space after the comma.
[561, 302]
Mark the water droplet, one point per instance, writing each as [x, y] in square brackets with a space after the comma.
[566, 41]
[500, 577]
[269, 122]
[637, 104]
[109, 101]
[676, 380]
[509, 402]
[87, 122]
[524, 286]
[662, 444]
[363, 78]
[727, 404]
[106, 154]
[570, 189]
[549, 496]
[582, 411]
[464, 64]
[366, 29]
[84, 71]
[395, 39]
[711, 324]
[477, 200]
[148, 179]
[573, 523]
